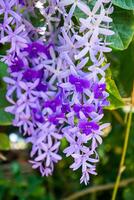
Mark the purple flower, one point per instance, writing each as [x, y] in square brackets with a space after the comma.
[53, 104]
[65, 108]
[22, 2]
[86, 109]
[17, 65]
[98, 90]
[35, 48]
[79, 83]
[41, 87]
[31, 75]
[37, 114]
[17, 38]
[45, 141]
[55, 118]
[7, 8]
[88, 127]
[53, 89]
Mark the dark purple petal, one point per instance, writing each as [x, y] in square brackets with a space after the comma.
[31, 74]
[55, 118]
[37, 114]
[100, 110]
[17, 65]
[22, 2]
[85, 83]
[79, 83]
[88, 127]
[53, 104]
[77, 108]
[76, 82]
[42, 87]
[65, 108]
[86, 109]
[35, 48]
[79, 88]
[98, 90]
[72, 79]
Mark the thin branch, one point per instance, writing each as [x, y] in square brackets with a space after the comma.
[101, 188]
[123, 156]
[126, 118]
[133, 95]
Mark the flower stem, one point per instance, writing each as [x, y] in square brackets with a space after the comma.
[122, 167]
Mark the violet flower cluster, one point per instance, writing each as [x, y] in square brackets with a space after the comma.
[57, 84]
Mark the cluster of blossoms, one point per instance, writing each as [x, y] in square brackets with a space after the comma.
[57, 78]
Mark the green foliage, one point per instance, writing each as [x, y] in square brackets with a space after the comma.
[5, 118]
[126, 4]
[3, 73]
[114, 96]
[22, 187]
[123, 26]
[128, 193]
[127, 68]
[4, 142]
[122, 67]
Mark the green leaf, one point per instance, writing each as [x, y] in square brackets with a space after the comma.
[3, 70]
[123, 26]
[3, 101]
[128, 193]
[114, 95]
[126, 4]
[5, 118]
[126, 76]
[4, 142]
[3, 73]
[122, 63]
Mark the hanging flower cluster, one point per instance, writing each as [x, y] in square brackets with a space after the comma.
[57, 82]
